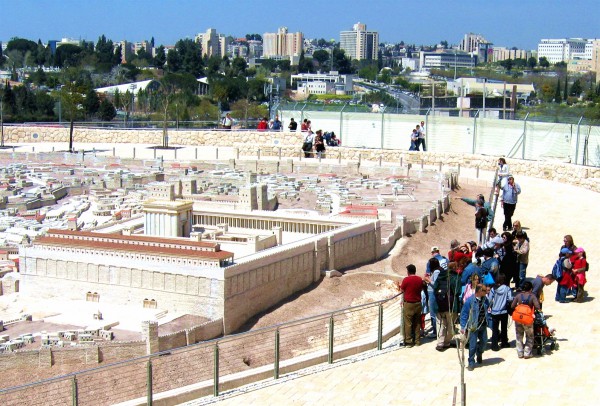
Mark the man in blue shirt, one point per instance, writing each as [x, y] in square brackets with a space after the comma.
[474, 319]
[508, 199]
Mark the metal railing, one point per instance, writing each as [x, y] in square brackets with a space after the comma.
[225, 363]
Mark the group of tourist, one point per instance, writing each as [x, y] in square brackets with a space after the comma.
[272, 125]
[469, 290]
[417, 138]
[315, 141]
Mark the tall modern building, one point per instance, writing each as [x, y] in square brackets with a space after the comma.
[562, 50]
[359, 43]
[471, 43]
[212, 43]
[282, 44]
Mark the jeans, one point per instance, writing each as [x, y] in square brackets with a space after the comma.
[499, 329]
[520, 330]
[522, 273]
[480, 235]
[561, 293]
[432, 310]
[477, 341]
[509, 210]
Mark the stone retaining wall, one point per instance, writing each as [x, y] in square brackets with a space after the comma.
[287, 145]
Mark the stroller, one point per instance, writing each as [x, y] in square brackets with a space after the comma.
[543, 335]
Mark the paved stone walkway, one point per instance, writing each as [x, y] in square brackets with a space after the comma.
[423, 376]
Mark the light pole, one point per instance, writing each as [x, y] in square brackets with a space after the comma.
[455, 65]
[2, 121]
[132, 87]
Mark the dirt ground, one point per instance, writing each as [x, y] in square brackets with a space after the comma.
[370, 282]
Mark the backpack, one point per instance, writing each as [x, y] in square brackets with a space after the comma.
[557, 270]
[523, 313]
[481, 222]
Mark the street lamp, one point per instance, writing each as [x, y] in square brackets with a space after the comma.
[132, 87]
[2, 121]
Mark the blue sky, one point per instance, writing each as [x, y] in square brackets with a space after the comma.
[520, 23]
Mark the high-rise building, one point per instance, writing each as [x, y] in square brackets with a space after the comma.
[359, 43]
[561, 50]
[282, 44]
[212, 43]
[470, 43]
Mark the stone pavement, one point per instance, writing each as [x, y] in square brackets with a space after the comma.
[423, 376]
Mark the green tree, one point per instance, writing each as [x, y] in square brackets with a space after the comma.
[531, 62]
[160, 58]
[321, 56]
[566, 91]
[91, 103]
[106, 111]
[341, 62]
[576, 88]
[368, 72]
[71, 97]
[544, 62]
[557, 97]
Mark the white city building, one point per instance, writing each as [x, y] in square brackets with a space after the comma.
[562, 50]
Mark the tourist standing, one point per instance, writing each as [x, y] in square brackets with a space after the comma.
[508, 199]
[411, 286]
[522, 251]
[422, 136]
[293, 125]
[307, 145]
[227, 121]
[319, 144]
[503, 172]
[263, 125]
[414, 141]
[444, 299]
[499, 296]
[528, 298]
[275, 125]
[481, 221]
[474, 319]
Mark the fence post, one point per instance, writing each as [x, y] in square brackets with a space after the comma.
[114, 151]
[196, 154]
[401, 324]
[154, 153]
[525, 136]
[380, 328]
[175, 153]
[149, 382]
[217, 153]
[382, 123]
[330, 349]
[258, 154]
[276, 366]
[474, 131]
[74, 391]
[339, 157]
[216, 371]
[577, 141]
[133, 152]
[279, 154]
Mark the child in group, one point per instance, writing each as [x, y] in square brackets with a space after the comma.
[424, 311]
[579, 269]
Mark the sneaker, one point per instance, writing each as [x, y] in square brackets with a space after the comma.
[440, 348]
[431, 335]
[505, 345]
[479, 359]
[496, 348]
[520, 355]
[527, 356]
[471, 367]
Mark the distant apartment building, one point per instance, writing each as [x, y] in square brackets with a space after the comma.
[127, 53]
[255, 49]
[503, 53]
[587, 61]
[562, 50]
[446, 60]
[282, 44]
[212, 43]
[359, 43]
[142, 45]
[323, 83]
[470, 43]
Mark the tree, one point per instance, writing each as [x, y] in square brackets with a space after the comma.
[566, 91]
[531, 62]
[507, 64]
[160, 58]
[557, 97]
[576, 88]
[91, 103]
[444, 43]
[71, 97]
[107, 111]
[341, 62]
[544, 62]
[321, 56]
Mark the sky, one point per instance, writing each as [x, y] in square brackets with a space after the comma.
[518, 23]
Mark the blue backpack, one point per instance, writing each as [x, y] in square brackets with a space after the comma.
[557, 269]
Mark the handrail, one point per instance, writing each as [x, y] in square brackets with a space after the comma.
[207, 343]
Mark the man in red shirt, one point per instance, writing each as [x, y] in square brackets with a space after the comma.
[412, 286]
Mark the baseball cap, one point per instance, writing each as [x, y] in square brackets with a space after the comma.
[580, 249]
[565, 251]
[434, 249]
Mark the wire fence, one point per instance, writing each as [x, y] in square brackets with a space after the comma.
[212, 366]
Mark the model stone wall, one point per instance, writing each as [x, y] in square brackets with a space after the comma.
[266, 278]
[72, 279]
